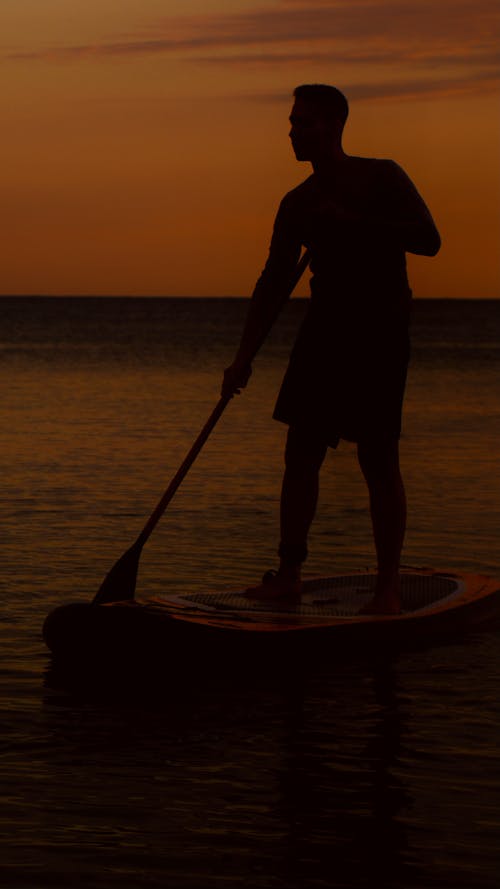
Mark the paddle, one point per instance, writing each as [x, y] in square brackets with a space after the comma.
[120, 583]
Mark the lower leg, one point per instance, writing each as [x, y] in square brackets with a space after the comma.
[380, 467]
[299, 497]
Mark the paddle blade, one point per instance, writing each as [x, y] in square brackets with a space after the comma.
[119, 585]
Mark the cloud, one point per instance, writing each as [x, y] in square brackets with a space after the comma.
[418, 34]
[346, 55]
[397, 89]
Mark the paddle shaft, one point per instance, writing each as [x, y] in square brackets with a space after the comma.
[182, 471]
[207, 429]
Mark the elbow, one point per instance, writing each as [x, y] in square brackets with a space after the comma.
[428, 245]
[431, 249]
[434, 244]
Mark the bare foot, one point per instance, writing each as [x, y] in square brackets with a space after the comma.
[276, 587]
[386, 600]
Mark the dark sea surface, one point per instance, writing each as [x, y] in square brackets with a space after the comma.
[369, 770]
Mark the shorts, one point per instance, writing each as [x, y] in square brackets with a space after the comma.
[346, 380]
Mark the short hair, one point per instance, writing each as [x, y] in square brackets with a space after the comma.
[328, 100]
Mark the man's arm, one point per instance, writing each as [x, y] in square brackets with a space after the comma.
[402, 218]
[410, 222]
[271, 292]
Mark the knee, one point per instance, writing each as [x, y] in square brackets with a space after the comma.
[379, 461]
[304, 453]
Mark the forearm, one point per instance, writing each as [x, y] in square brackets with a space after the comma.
[273, 289]
[264, 307]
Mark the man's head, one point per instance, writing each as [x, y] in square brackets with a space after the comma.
[318, 117]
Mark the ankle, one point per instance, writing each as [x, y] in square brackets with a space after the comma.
[288, 571]
[388, 582]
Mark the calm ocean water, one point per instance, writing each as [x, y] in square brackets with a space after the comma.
[365, 772]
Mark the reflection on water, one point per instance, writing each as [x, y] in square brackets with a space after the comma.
[364, 771]
[354, 772]
[286, 780]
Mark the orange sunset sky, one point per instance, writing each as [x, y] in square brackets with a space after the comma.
[145, 145]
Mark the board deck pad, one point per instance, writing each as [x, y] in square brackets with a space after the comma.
[330, 597]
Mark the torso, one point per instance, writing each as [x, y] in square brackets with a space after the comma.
[351, 261]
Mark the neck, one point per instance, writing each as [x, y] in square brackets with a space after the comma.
[324, 163]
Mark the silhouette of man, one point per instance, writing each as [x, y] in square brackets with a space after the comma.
[357, 217]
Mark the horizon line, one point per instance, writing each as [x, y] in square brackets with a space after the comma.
[213, 296]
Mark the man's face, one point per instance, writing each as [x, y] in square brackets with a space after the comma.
[311, 136]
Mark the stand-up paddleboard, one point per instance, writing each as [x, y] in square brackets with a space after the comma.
[435, 604]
